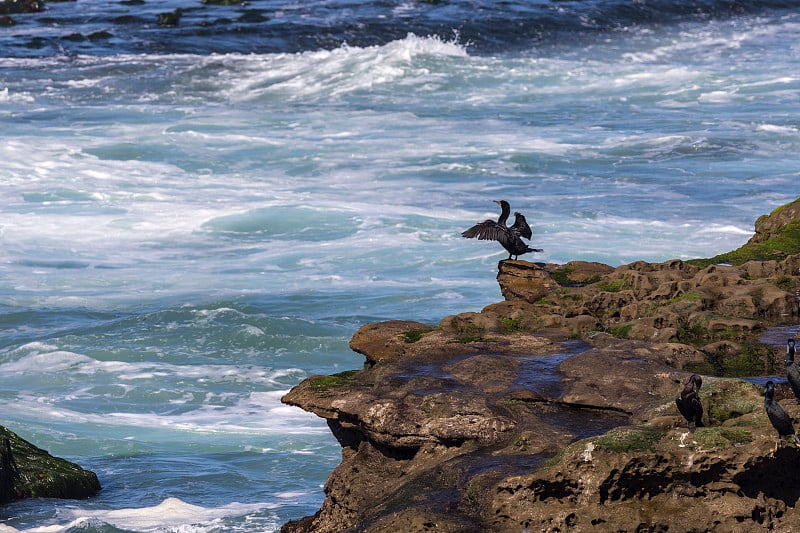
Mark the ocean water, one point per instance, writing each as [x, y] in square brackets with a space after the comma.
[193, 219]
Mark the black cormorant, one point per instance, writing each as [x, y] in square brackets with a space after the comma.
[509, 237]
[792, 370]
[689, 403]
[777, 416]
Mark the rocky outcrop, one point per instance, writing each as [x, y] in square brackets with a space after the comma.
[663, 301]
[27, 471]
[8, 7]
[726, 478]
[509, 432]
[777, 235]
[554, 409]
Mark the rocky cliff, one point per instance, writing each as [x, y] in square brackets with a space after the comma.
[554, 410]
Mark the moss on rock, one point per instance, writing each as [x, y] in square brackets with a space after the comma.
[334, 381]
[27, 471]
[629, 439]
[720, 437]
[777, 237]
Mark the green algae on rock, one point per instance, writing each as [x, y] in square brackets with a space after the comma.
[777, 237]
[27, 471]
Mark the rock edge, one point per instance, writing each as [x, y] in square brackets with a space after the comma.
[27, 471]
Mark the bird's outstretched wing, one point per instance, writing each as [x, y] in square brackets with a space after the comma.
[488, 230]
[521, 227]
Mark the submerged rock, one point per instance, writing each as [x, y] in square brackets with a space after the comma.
[170, 18]
[554, 410]
[27, 471]
[10, 7]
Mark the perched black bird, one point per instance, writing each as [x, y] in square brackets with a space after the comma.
[509, 237]
[777, 416]
[792, 370]
[689, 403]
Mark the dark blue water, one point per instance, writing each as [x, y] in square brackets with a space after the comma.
[269, 26]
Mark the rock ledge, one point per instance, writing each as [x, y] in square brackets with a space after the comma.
[554, 409]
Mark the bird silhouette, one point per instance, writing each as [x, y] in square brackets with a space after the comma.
[689, 403]
[509, 237]
[777, 416]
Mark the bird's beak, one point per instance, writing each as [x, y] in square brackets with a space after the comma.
[496, 201]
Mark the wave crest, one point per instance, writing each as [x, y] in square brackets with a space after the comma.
[343, 70]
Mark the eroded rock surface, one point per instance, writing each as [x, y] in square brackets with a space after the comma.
[554, 410]
[511, 433]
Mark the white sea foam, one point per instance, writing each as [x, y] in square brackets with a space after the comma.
[5, 96]
[726, 230]
[332, 73]
[258, 414]
[58, 361]
[172, 515]
[40, 372]
[791, 130]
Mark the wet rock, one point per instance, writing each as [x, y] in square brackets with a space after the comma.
[10, 7]
[30, 472]
[100, 36]
[170, 18]
[442, 414]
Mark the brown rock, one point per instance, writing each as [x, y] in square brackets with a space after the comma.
[554, 410]
[581, 272]
[521, 280]
[384, 341]
[769, 225]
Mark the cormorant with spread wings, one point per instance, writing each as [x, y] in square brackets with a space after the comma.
[509, 237]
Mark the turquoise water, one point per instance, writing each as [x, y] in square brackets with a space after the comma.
[185, 236]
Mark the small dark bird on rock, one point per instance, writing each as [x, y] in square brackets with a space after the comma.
[689, 403]
[509, 237]
[792, 370]
[777, 416]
